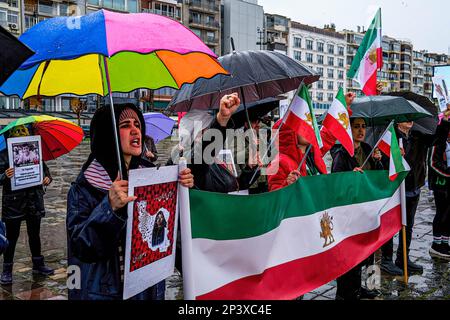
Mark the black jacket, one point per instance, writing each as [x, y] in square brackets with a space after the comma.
[214, 178]
[95, 233]
[342, 161]
[439, 171]
[416, 147]
[3, 240]
[20, 203]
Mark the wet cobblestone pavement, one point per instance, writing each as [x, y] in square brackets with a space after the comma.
[433, 284]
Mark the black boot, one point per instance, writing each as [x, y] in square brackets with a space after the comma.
[413, 268]
[40, 268]
[6, 277]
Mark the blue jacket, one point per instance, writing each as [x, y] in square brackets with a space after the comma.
[95, 232]
[3, 240]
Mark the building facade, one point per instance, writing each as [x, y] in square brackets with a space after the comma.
[276, 30]
[323, 50]
[242, 20]
[203, 18]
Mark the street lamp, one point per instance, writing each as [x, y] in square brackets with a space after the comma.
[261, 34]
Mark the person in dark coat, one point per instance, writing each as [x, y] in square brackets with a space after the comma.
[415, 145]
[349, 284]
[150, 152]
[22, 205]
[97, 207]
[439, 182]
[213, 177]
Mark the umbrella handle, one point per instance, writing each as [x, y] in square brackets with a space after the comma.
[116, 136]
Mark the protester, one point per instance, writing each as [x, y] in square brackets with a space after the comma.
[247, 154]
[19, 205]
[210, 175]
[415, 145]
[150, 152]
[439, 182]
[349, 285]
[97, 207]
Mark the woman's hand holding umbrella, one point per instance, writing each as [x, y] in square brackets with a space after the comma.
[228, 105]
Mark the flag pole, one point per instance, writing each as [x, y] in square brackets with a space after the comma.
[404, 222]
[304, 157]
[276, 134]
[113, 116]
[376, 145]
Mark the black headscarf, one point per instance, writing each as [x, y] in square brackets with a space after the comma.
[103, 143]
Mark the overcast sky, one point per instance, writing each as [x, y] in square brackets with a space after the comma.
[425, 22]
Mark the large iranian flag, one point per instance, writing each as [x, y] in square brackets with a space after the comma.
[300, 117]
[337, 121]
[389, 146]
[369, 58]
[283, 244]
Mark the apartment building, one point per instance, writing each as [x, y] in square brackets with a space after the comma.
[323, 50]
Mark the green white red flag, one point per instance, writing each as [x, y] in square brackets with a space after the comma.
[389, 146]
[286, 243]
[369, 58]
[337, 121]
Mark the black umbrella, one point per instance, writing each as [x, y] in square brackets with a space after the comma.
[381, 110]
[255, 75]
[425, 125]
[256, 110]
[12, 54]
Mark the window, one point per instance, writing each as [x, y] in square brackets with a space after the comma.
[3, 17]
[320, 84]
[63, 9]
[330, 73]
[341, 63]
[132, 6]
[309, 57]
[197, 32]
[95, 2]
[319, 96]
[13, 3]
[297, 42]
[30, 21]
[196, 17]
[297, 55]
[340, 74]
[330, 61]
[319, 59]
[320, 46]
[320, 71]
[13, 17]
[340, 85]
[309, 44]
[341, 51]
[210, 36]
[330, 97]
[331, 48]
[330, 85]
[119, 4]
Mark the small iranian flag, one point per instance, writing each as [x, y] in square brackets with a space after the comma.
[389, 146]
[369, 58]
[286, 243]
[337, 121]
[300, 118]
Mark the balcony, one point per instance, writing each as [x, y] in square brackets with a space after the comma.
[212, 41]
[209, 25]
[169, 14]
[46, 10]
[203, 6]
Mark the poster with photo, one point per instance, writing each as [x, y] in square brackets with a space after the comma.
[25, 156]
[151, 228]
[441, 90]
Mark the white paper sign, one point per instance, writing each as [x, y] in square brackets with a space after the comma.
[151, 228]
[441, 90]
[25, 156]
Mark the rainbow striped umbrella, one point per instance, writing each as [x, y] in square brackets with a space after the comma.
[58, 136]
[76, 55]
[107, 52]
